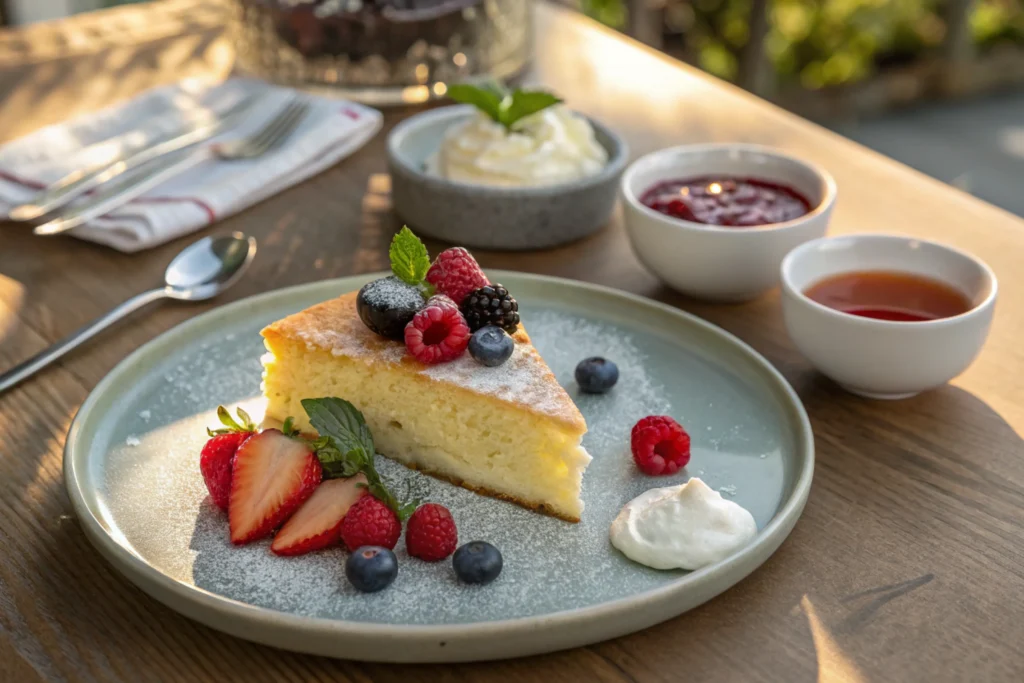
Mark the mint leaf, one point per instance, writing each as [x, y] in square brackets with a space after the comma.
[523, 103]
[504, 108]
[342, 421]
[487, 98]
[409, 258]
[345, 448]
[331, 415]
[495, 87]
[335, 463]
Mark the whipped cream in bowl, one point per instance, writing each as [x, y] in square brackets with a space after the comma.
[553, 146]
[681, 527]
[462, 177]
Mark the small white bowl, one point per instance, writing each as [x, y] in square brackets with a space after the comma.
[721, 263]
[882, 358]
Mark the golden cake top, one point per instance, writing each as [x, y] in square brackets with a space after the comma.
[524, 379]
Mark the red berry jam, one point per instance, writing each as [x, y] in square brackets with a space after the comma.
[727, 201]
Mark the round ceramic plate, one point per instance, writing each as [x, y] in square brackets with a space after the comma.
[131, 468]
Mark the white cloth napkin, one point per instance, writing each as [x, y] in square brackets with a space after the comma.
[331, 130]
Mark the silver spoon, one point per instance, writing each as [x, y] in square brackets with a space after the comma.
[200, 271]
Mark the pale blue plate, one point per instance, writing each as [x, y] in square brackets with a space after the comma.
[131, 468]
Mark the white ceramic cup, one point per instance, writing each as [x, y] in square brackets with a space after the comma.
[882, 358]
[721, 263]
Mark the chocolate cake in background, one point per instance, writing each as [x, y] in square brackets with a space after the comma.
[362, 28]
[382, 51]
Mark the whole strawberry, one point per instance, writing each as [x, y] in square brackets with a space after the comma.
[455, 273]
[370, 522]
[218, 454]
[430, 533]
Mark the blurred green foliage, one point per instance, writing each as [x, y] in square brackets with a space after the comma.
[610, 12]
[821, 43]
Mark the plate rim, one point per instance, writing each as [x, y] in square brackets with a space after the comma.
[210, 608]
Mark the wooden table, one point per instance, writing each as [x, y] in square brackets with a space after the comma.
[908, 564]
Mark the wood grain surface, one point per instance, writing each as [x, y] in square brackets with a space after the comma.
[908, 564]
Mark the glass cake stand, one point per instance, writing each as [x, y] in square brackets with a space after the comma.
[381, 52]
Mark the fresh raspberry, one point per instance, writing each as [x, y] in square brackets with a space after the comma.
[456, 273]
[660, 445]
[438, 333]
[215, 462]
[430, 533]
[370, 522]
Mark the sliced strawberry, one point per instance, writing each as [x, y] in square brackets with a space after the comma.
[317, 524]
[272, 476]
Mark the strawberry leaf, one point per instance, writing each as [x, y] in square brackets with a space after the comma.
[288, 428]
[231, 426]
[409, 258]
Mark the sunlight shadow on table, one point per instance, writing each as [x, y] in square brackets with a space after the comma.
[1011, 413]
[12, 297]
[938, 415]
[834, 666]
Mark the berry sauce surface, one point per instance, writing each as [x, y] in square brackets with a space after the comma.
[727, 201]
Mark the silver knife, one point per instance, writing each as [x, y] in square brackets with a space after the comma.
[132, 186]
[77, 183]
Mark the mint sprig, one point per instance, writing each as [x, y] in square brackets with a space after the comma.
[506, 108]
[410, 260]
[345, 448]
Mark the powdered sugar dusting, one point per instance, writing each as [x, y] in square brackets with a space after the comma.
[522, 379]
[155, 497]
[334, 326]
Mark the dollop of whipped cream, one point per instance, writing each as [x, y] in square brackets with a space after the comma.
[681, 527]
[552, 146]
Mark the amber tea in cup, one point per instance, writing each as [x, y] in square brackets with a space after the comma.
[883, 295]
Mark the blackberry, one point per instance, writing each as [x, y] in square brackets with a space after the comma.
[491, 305]
[387, 305]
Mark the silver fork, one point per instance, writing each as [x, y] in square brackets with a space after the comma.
[77, 183]
[275, 132]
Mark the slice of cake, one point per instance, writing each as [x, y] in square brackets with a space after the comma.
[510, 431]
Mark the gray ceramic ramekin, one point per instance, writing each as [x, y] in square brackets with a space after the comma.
[495, 217]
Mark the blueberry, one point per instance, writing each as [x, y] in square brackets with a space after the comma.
[387, 305]
[477, 562]
[371, 568]
[596, 375]
[490, 346]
